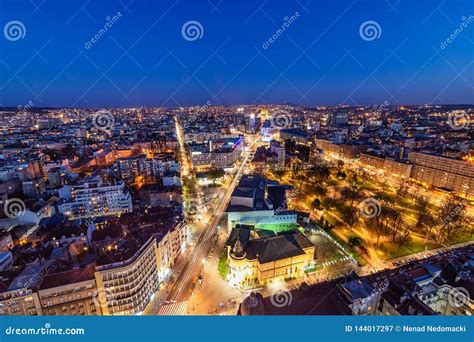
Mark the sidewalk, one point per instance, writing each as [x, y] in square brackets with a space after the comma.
[160, 296]
[214, 296]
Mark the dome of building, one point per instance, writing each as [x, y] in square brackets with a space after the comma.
[237, 251]
[252, 305]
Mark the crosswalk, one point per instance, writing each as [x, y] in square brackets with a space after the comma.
[174, 309]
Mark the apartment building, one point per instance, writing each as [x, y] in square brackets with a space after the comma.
[70, 291]
[338, 150]
[157, 166]
[92, 197]
[443, 172]
[126, 285]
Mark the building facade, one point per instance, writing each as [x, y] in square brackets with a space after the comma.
[126, 287]
[94, 198]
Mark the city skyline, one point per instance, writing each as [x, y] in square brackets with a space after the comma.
[307, 53]
[237, 158]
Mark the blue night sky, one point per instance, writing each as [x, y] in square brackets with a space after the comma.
[320, 58]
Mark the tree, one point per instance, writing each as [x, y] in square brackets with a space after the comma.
[425, 217]
[350, 195]
[216, 174]
[404, 237]
[395, 221]
[350, 214]
[320, 190]
[223, 267]
[383, 220]
[402, 189]
[316, 203]
[451, 218]
[279, 174]
[354, 241]
[341, 175]
[320, 171]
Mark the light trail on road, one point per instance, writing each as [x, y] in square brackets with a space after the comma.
[193, 265]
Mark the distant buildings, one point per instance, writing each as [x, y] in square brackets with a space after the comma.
[442, 172]
[217, 153]
[452, 174]
[273, 157]
[77, 248]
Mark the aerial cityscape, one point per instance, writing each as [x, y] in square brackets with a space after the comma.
[244, 176]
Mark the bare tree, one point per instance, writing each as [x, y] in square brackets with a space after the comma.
[404, 237]
[451, 219]
[383, 221]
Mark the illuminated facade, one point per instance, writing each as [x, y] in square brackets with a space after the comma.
[442, 172]
[126, 287]
[94, 198]
[261, 261]
[58, 296]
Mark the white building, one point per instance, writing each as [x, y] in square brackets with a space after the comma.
[157, 167]
[92, 198]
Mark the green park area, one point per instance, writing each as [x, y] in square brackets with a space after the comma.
[377, 217]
